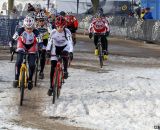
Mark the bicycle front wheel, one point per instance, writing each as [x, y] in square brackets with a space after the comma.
[22, 85]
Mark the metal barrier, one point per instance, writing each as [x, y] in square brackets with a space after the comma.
[7, 29]
[132, 28]
[148, 30]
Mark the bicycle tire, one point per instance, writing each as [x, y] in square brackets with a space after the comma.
[22, 85]
[100, 55]
[60, 81]
[54, 85]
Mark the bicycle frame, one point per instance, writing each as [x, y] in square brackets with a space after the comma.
[58, 79]
[58, 68]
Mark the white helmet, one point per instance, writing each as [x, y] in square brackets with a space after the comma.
[28, 22]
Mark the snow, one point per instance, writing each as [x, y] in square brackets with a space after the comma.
[10, 126]
[122, 97]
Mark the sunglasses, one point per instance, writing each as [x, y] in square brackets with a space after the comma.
[29, 28]
[41, 20]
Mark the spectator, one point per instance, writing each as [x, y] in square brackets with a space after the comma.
[14, 13]
[138, 12]
[30, 7]
[148, 14]
[142, 13]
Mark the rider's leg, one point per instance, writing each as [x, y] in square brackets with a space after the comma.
[17, 68]
[104, 42]
[31, 63]
[104, 47]
[53, 66]
[42, 63]
[74, 38]
[95, 43]
[65, 63]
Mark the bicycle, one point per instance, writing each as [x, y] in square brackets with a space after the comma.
[58, 79]
[100, 50]
[23, 77]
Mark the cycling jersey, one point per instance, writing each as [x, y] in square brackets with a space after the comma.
[27, 41]
[99, 26]
[57, 39]
[72, 23]
[44, 31]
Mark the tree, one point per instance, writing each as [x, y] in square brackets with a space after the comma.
[95, 4]
[10, 5]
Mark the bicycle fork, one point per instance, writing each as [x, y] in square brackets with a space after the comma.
[23, 68]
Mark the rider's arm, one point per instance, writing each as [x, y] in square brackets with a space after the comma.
[16, 36]
[36, 32]
[90, 29]
[69, 40]
[50, 44]
[49, 28]
[107, 29]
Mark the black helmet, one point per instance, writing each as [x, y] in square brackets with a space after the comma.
[100, 11]
[62, 13]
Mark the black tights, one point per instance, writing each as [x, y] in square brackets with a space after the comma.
[104, 42]
[31, 63]
[42, 59]
[54, 63]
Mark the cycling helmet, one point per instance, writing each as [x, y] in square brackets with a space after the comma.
[28, 22]
[100, 12]
[98, 15]
[62, 13]
[41, 15]
[60, 21]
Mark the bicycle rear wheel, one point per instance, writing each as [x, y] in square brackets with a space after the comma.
[55, 85]
[100, 55]
[22, 85]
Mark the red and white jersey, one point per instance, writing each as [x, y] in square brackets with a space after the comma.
[99, 26]
[27, 41]
[71, 21]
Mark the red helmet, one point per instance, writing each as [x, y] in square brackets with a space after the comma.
[60, 21]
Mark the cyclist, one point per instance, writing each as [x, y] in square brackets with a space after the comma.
[52, 16]
[38, 9]
[72, 25]
[98, 26]
[60, 43]
[43, 29]
[62, 13]
[26, 40]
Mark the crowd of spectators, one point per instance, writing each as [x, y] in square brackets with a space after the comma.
[143, 13]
